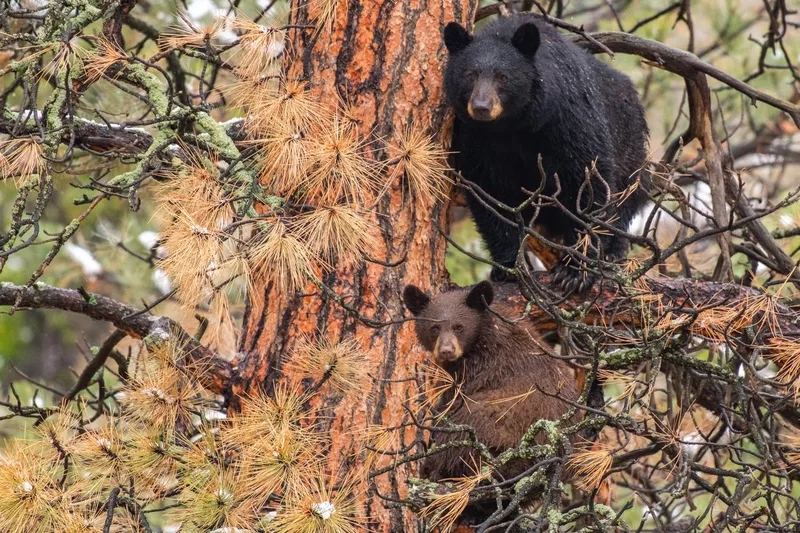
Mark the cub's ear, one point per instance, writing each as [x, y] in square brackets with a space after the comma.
[456, 38]
[416, 301]
[526, 39]
[481, 296]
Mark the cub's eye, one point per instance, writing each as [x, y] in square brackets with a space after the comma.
[472, 76]
[435, 329]
[500, 77]
[458, 328]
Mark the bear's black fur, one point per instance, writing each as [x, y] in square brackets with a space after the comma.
[520, 89]
[508, 380]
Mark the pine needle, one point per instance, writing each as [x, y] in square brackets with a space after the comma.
[423, 163]
[323, 11]
[380, 441]
[259, 48]
[445, 509]
[284, 155]
[249, 93]
[98, 457]
[264, 416]
[791, 445]
[162, 397]
[68, 55]
[189, 35]
[279, 256]
[785, 353]
[222, 501]
[513, 400]
[317, 508]
[293, 107]
[338, 234]
[192, 187]
[202, 459]
[192, 250]
[58, 431]
[720, 322]
[591, 466]
[20, 158]
[278, 464]
[105, 55]
[626, 383]
[343, 364]
[437, 385]
[338, 168]
[150, 455]
[28, 489]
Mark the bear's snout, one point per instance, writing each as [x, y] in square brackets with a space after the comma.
[484, 103]
[447, 349]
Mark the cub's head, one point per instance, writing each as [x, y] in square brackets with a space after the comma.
[490, 76]
[449, 324]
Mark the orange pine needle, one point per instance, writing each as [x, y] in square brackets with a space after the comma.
[259, 48]
[591, 466]
[103, 57]
[423, 163]
[190, 35]
[438, 385]
[339, 169]
[445, 509]
[20, 158]
[162, 397]
[316, 507]
[342, 363]
[278, 255]
[293, 107]
[338, 234]
[29, 494]
[283, 159]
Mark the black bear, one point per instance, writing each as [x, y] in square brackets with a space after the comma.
[519, 89]
[502, 368]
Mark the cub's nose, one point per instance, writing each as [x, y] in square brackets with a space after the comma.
[448, 352]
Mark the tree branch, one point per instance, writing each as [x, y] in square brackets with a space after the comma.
[682, 63]
[216, 372]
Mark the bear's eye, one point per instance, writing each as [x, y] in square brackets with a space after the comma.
[458, 328]
[435, 329]
[500, 77]
[472, 76]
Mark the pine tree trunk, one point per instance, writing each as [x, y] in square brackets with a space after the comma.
[387, 58]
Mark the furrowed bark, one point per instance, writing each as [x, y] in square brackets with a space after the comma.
[386, 57]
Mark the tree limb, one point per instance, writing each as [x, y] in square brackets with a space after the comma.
[684, 64]
[216, 372]
[691, 67]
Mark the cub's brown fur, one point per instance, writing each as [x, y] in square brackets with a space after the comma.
[497, 362]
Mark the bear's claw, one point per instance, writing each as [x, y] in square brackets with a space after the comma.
[572, 278]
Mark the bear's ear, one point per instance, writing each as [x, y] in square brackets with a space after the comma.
[526, 39]
[481, 296]
[416, 301]
[456, 38]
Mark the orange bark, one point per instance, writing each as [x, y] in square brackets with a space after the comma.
[386, 57]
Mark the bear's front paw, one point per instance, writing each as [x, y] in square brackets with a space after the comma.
[571, 278]
[500, 275]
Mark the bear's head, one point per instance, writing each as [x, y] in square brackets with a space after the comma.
[488, 76]
[449, 324]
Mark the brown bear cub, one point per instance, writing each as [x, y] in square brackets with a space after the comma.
[502, 368]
